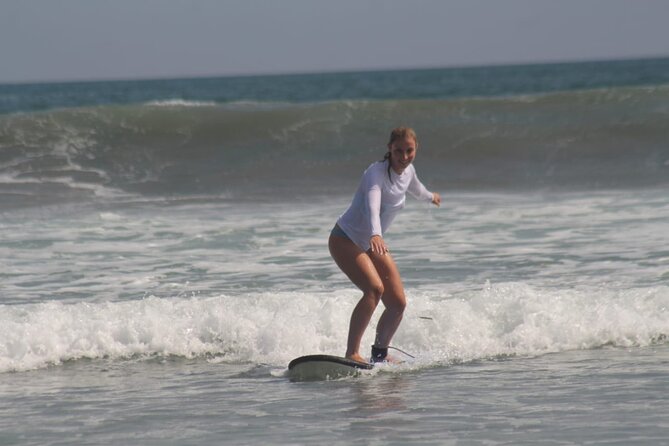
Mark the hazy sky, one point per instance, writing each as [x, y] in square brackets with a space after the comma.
[109, 39]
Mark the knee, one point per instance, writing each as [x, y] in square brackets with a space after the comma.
[396, 303]
[376, 290]
[400, 305]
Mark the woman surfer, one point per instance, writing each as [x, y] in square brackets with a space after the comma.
[357, 246]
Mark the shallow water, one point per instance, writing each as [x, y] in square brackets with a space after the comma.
[601, 396]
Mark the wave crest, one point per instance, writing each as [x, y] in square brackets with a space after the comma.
[498, 320]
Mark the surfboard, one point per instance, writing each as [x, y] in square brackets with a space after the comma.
[321, 367]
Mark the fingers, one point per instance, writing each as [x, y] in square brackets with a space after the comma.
[436, 199]
[377, 245]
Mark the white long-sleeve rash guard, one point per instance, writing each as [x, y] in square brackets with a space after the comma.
[378, 200]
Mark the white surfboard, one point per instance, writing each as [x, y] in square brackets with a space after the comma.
[321, 367]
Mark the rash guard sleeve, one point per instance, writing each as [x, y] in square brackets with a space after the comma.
[374, 206]
[417, 190]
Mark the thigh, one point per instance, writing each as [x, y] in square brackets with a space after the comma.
[355, 263]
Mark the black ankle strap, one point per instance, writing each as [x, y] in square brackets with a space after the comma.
[379, 353]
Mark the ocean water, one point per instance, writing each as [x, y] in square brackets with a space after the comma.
[164, 256]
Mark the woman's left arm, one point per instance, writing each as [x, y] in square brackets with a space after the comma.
[420, 192]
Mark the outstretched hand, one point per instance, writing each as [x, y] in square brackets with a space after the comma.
[436, 199]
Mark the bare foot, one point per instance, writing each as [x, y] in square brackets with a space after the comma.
[356, 357]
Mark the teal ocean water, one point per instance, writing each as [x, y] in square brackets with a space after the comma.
[164, 256]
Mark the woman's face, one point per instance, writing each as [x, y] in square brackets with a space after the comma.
[402, 153]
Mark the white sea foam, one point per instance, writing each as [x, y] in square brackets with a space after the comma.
[272, 328]
[180, 103]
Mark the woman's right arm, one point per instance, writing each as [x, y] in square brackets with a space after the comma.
[373, 198]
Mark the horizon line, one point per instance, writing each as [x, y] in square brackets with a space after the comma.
[329, 72]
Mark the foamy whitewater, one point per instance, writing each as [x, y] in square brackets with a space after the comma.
[164, 256]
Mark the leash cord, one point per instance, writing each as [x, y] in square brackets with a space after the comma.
[402, 351]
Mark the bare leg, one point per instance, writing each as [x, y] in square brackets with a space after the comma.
[393, 298]
[360, 269]
[362, 314]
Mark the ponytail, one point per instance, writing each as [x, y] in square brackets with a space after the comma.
[386, 157]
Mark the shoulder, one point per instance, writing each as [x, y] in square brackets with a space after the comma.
[375, 174]
[375, 169]
[375, 166]
[413, 172]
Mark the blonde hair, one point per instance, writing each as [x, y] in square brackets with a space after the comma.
[400, 133]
